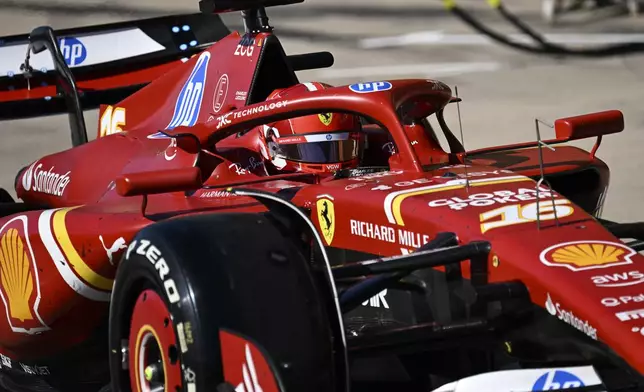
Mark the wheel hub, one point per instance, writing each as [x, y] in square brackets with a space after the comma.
[154, 362]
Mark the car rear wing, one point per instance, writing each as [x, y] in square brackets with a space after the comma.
[108, 62]
[94, 65]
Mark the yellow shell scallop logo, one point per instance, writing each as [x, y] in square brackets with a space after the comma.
[15, 275]
[585, 255]
[19, 286]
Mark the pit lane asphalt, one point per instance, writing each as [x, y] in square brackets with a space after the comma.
[503, 90]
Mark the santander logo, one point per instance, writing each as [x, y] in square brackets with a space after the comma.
[38, 180]
[26, 178]
[550, 306]
[568, 317]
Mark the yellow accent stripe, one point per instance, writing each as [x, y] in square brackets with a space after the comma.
[397, 202]
[73, 258]
[399, 199]
[449, 4]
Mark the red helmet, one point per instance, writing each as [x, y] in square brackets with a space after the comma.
[318, 143]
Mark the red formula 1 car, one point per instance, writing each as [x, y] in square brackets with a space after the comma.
[166, 256]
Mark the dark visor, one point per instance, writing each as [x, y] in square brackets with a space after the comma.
[321, 152]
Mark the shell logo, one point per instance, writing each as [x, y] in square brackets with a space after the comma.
[587, 255]
[16, 276]
[19, 286]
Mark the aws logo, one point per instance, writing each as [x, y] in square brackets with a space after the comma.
[586, 255]
[620, 279]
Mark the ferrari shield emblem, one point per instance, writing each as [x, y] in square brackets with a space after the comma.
[326, 118]
[586, 255]
[326, 218]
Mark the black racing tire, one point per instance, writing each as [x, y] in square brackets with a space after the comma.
[237, 274]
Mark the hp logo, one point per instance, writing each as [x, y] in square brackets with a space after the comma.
[557, 379]
[73, 51]
[188, 105]
[371, 87]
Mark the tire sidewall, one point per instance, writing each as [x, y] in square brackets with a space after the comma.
[148, 264]
[242, 273]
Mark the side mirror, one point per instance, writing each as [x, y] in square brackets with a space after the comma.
[44, 38]
[38, 38]
[589, 125]
[160, 181]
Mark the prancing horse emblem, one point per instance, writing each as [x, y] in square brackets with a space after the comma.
[326, 118]
[326, 218]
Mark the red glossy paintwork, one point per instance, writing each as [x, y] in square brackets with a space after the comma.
[406, 206]
[526, 161]
[245, 365]
[589, 125]
[145, 183]
[162, 97]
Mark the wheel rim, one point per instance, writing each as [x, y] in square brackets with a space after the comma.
[154, 359]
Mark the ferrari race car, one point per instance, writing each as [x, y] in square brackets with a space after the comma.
[161, 256]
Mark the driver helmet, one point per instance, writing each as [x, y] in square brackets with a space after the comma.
[318, 143]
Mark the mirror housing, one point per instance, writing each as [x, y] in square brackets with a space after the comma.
[589, 125]
[38, 37]
[44, 38]
[159, 181]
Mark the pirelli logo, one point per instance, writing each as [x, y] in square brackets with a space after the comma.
[630, 315]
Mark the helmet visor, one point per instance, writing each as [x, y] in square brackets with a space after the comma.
[320, 148]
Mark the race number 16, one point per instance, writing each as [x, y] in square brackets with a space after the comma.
[111, 121]
[516, 214]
